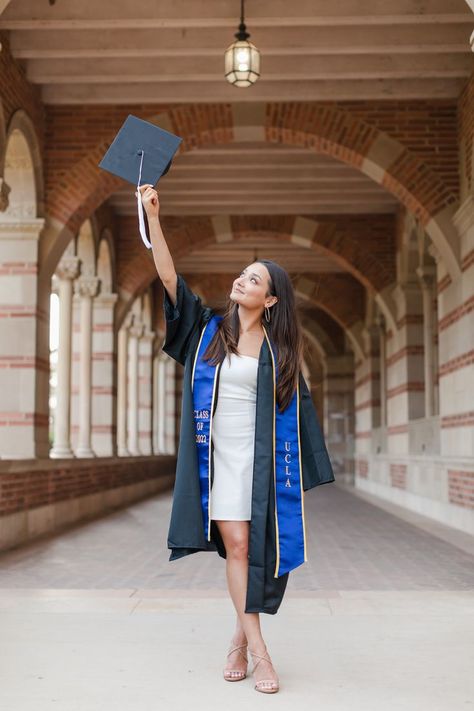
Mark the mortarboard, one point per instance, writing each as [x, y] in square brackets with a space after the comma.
[140, 153]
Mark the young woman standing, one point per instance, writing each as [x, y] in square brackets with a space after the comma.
[250, 442]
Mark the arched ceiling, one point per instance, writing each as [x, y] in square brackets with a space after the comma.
[236, 254]
[248, 178]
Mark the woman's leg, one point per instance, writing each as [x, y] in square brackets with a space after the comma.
[235, 535]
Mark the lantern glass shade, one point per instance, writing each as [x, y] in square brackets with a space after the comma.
[242, 63]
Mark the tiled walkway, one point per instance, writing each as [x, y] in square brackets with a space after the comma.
[381, 617]
[352, 545]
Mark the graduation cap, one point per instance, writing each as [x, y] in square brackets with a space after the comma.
[140, 153]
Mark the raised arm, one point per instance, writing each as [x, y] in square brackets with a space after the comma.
[161, 254]
[183, 311]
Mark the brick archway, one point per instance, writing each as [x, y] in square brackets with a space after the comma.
[354, 250]
[321, 291]
[324, 129]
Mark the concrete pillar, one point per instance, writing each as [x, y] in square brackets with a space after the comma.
[382, 334]
[22, 372]
[170, 406]
[405, 368]
[367, 384]
[66, 272]
[122, 388]
[135, 333]
[456, 326]
[160, 404]
[103, 376]
[339, 412]
[145, 391]
[427, 275]
[75, 369]
[155, 405]
[86, 289]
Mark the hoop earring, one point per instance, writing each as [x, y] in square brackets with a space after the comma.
[267, 314]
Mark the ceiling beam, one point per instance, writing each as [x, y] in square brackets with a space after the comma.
[90, 14]
[198, 69]
[212, 42]
[203, 92]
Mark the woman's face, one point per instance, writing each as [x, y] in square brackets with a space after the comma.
[251, 286]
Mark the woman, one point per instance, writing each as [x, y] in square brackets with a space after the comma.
[250, 442]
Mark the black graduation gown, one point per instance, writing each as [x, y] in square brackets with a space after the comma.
[186, 534]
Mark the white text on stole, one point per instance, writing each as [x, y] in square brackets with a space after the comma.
[287, 458]
[200, 415]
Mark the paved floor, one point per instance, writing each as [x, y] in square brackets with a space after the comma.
[382, 615]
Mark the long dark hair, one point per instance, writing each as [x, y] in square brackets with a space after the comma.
[284, 330]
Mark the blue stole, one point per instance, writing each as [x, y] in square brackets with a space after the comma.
[287, 468]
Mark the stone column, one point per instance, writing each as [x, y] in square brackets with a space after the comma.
[339, 412]
[86, 288]
[160, 405]
[25, 370]
[155, 405]
[405, 365]
[135, 333]
[145, 389]
[436, 336]
[427, 277]
[380, 321]
[103, 376]
[170, 406]
[66, 272]
[122, 388]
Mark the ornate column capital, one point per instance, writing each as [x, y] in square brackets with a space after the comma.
[434, 252]
[24, 230]
[127, 322]
[427, 276]
[148, 335]
[136, 329]
[87, 286]
[379, 320]
[107, 299]
[68, 268]
[369, 336]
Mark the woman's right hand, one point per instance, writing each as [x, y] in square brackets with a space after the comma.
[150, 201]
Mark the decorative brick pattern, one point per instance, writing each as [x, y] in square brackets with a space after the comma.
[466, 127]
[457, 363]
[22, 490]
[462, 419]
[398, 475]
[17, 92]
[461, 488]
[423, 176]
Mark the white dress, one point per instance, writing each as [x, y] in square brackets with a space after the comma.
[233, 437]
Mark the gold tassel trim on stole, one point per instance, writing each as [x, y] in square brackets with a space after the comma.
[210, 429]
[274, 462]
[301, 470]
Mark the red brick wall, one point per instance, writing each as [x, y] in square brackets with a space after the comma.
[461, 488]
[427, 128]
[398, 475]
[424, 176]
[17, 93]
[48, 482]
[466, 126]
[363, 244]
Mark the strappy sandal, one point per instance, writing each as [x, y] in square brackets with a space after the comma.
[267, 686]
[236, 674]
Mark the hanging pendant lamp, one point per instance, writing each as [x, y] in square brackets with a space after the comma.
[242, 58]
